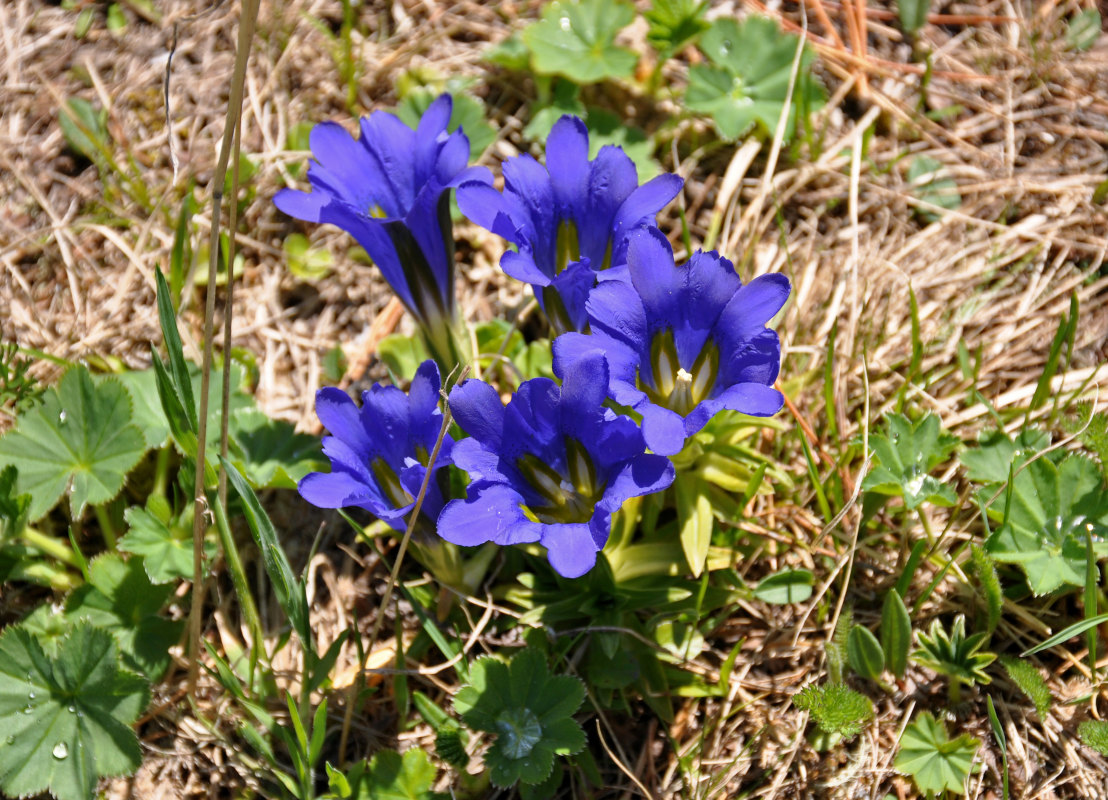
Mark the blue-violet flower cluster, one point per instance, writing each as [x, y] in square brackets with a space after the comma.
[550, 467]
[389, 189]
[675, 344]
[569, 219]
[379, 453]
[682, 343]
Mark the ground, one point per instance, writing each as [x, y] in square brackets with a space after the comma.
[1014, 116]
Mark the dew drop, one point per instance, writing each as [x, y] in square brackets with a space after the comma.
[60, 751]
[725, 46]
[30, 695]
[564, 23]
[9, 741]
[61, 417]
[72, 709]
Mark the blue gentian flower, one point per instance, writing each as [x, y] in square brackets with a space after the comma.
[682, 343]
[379, 454]
[550, 467]
[389, 189]
[569, 219]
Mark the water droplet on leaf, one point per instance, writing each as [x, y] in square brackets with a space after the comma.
[60, 751]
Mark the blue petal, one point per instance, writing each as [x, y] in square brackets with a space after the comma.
[339, 415]
[645, 474]
[584, 389]
[573, 285]
[643, 205]
[523, 268]
[755, 360]
[477, 408]
[428, 145]
[754, 305]
[616, 309]
[302, 205]
[477, 460]
[612, 179]
[567, 161]
[655, 277]
[333, 490]
[391, 145]
[490, 209]
[569, 347]
[528, 183]
[385, 418]
[531, 423]
[663, 430]
[709, 283]
[570, 547]
[755, 399]
[491, 514]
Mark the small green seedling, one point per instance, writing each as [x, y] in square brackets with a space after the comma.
[936, 762]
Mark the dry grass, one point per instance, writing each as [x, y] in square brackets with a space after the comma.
[1027, 150]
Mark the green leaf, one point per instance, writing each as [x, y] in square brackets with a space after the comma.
[576, 39]
[985, 570]
[511, 53]
[528, 709]
[606, 128]
[864, 653]
[148, 416]
[1030, 682]
[913, 14]
[1094, 734]
[85, 128]
[564, 101]
[164, 544]
[905, 455]
[694, 515]
[896, 633]
[80, 440]
[120, 599]
[747, 80]
[785, 587]
[14, 507]
[401, 354]
[1053, 512]
[391, 776]
[306, 262]
[270, 453]
[996, 454]
[929, 182]
[289, 591]
[66, 719]
[954, 654]
[1083, 30]
[837, 709]
[674, 23]
[1075, 629]
[935, 761]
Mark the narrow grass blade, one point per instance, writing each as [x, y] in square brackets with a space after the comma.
[1073, 630]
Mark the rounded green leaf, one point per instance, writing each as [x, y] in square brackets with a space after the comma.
[864, 653]
[577, 40]
[787, 586]
[66, 719]
[80, 439]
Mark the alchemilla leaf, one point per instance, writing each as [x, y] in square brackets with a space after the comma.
[1054, 514]
[936, 762]
[66, 719]
[905, 456]
[528, 709]
[576, 38]
[80, 440]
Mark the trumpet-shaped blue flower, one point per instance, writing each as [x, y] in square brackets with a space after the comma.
[569, 219]
[389, 189]
[682, 343]
[550, 467]
[379, 454]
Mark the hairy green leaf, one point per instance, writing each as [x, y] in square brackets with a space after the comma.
[835, 708]
[896, 633]
[1030, 682]
[864, 653]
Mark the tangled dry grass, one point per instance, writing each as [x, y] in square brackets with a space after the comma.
[1020, 126]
